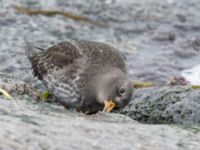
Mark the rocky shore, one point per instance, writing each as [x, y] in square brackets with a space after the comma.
[159, 39]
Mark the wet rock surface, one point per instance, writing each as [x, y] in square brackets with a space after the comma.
[159, 38]
[165, 105]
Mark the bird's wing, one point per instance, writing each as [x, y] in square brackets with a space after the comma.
[57, 58]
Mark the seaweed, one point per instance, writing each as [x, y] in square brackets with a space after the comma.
[196, 87]
[50, 13]
[141, 84]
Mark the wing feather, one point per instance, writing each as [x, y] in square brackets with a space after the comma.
[55, 58]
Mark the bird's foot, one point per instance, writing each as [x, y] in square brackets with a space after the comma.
[109, 105]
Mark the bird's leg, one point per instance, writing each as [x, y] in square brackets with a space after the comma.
[108, 106]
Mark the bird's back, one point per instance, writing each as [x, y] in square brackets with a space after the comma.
[100, 55]
[74, 56]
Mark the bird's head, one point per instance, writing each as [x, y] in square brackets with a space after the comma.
[114, 90]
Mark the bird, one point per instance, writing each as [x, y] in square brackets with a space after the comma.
[87, 76]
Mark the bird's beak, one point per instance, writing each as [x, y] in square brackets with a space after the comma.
[109, 105]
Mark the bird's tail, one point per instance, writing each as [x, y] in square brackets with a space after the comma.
[33, 53]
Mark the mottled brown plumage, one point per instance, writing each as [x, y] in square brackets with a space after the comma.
[83, 74]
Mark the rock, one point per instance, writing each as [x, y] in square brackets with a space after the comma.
[168, 104]
[48, 126]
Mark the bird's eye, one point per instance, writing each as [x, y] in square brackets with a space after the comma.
[122, 91]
